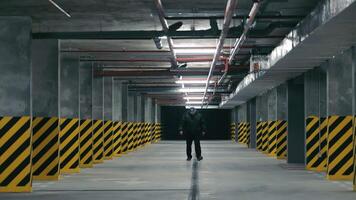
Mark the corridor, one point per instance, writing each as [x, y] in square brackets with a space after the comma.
[228, 171]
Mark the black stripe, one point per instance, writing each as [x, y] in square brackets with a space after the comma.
[25, 181]
[107, 126]
[69, 132]
[40, 124]
[64, 123]
[100, 146]
[69, 158]
[282, 151]
[347, 127]
[340, 148]
[86, 151]
[75, 165]
[85, 128]
[335, 123]
[89, 160]
[15, 137]
[342, 162]
[69, 145]
[45, 164]
[15, 155]
[54, 170]
[8, 126]
[312, 142]
[45, 149]
[45, 134]
[86, 139]
[107, 136]
[17, 170]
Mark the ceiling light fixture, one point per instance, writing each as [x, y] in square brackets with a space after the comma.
[193, 81]
[194, 98]
[191, 90]
[194, 51]
[59, 8]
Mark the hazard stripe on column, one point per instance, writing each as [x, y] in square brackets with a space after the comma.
[265, 137]
[86, 143]
[45, 145]
[248, 133]
[259, 135]
[108, 140]
[233, 127]
[323, 145]
[126, 137]
[117, 138]
[69, 145]
[130, 136]
[15, 154]
[272, 138]
[340, 148]
[281, 151]
[312, 142]
[98, 141]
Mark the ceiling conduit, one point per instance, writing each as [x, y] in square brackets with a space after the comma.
[229, 12]
[165, 27]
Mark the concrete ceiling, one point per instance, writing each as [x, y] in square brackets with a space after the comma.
[141, 15]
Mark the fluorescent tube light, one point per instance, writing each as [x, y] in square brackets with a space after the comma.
[191, 90]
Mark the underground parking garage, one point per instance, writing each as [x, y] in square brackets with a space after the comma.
[164, 99]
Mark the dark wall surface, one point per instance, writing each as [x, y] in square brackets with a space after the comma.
[217, 122]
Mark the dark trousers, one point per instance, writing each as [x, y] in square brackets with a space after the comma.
[189, 140]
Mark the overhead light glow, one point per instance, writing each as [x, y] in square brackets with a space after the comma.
[194, 98]
[199, 107]
[193, 102]
[193, 81]
[194, 51]
[191, 90]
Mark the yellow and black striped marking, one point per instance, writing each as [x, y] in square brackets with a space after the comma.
[98, 141]
[340, 148]
[108, 140]
[69, 145]
[45, 145]
[312, 142]
[272, 138]
[136, 135]
[233, 127]
[323, 141]
[130, 136]
[15, 154]
[158, 132]
[247, 134]
[86, 143]
[265, 137]
[239, 132]
[126, 134]
[281, 151]
[259, 130]
[117, 138]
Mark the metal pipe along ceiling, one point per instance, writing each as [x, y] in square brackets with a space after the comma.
[229, 12]
[165, 27]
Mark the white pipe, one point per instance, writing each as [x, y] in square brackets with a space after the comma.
[229, 12]
[165, 27]
[241, 40]
[59, 8]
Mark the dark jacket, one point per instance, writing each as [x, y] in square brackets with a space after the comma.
[192, 124]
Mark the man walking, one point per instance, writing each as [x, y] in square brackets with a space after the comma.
[193, 127]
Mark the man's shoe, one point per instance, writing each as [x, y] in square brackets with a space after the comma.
[189, 158]
[200, 158]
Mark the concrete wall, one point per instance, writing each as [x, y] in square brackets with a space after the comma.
[69, 87]
[15, 64]
[282, 104]
[130, 108]
[45, 78]
[124, 101]
[85, 89]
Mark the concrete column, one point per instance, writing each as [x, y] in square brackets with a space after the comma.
[158, 114]
[252, 120]
[98, 98]
[85, 88]
[15, 103]
[108, 98]
[138, 109]
[148, 109]
[45, 78]
[272, 104]
[69, 87]
[15, 63]
[117, 100]
[124, 105]
[296, 139]
[153, 111]
[131, 108]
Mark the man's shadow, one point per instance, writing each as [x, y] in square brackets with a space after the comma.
[194, 193]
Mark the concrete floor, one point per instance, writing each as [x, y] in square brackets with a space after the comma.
[159, 171]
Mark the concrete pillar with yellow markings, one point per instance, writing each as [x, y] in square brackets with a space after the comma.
[69, 114]
[45, 109]
[15, 104]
